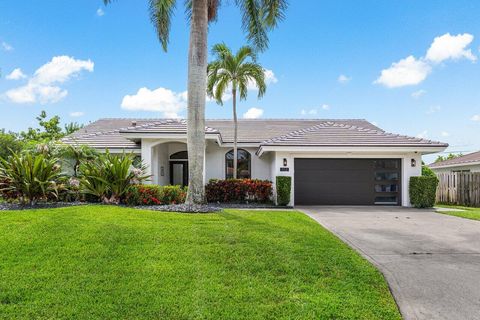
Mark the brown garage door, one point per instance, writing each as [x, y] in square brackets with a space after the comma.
[347, 181]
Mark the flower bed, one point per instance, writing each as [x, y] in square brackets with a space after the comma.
[154, 195]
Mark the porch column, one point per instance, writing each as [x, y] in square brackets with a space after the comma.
[147, 158]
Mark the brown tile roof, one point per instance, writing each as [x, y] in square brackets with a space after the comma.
[463, 160]
[107, 133]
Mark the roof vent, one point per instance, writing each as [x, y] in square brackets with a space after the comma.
[134, 123]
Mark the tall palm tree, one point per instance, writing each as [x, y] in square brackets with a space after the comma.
[236, 73]
[258, 17]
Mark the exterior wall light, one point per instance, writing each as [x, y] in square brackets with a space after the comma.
[285, 163]
[414, 163]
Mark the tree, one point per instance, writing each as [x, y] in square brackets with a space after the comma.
[448, 157]
[9, 143]
[235, 73]
[258, 17]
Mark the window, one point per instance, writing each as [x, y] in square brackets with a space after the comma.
[182, 155]
[243, 164]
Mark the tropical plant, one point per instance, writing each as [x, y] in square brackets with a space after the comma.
[31, 177]
[236, 73]
[258, 17]
[74, 155]
[109, 176]
[9, 143]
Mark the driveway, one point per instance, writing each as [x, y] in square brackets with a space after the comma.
[431, 261]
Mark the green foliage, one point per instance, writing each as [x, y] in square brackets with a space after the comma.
[147, 195]
[427, 172]
[108, 176]
[450, 156]
[31, 177]
[284, 187]
[238, 190]
[234, 72]
[74, 155]
[9, 143]
[423, 191]
[48, 130]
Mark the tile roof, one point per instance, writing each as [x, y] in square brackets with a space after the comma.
[463, 160]
[107, 133]
[332, 133]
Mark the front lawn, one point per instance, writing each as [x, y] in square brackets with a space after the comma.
[468, 212]
[100, 262]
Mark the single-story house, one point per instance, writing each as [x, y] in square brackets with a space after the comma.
[331, 162]
[467, 163]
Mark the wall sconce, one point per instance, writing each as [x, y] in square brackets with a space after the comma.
[162, 171]
[413, 163]
[285, 163]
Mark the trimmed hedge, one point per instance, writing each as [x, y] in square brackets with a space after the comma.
[284, 187]
[238, 191]
[423, 191]
[149, 195]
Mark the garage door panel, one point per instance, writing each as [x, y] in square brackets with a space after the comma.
[336, 181]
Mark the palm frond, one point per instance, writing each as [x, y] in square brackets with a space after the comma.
[161, 12]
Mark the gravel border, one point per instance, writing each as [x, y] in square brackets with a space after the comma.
[42, 205]
[249, 206]
[183, 208]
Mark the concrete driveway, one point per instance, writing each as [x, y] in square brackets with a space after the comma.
[431, 261]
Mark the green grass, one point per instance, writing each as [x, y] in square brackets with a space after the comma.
[468, 213]
[99, 262]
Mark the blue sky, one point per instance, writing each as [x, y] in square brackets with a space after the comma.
[83, 61]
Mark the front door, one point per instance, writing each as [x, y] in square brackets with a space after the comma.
[179, 173]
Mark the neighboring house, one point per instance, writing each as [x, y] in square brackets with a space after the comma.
[467, 163]
[331, 162]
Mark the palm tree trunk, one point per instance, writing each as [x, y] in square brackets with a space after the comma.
[235, 135]
[197, 88]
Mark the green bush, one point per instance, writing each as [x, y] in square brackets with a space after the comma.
[423, 191]
[427, 172]
[239, 190]
[148, 195]
[30, 178]
[284, 185]
[108, 176]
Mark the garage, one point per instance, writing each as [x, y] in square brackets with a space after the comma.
[347, 181]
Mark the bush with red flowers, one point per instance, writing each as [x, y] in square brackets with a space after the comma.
[239, 191]
[149, 195]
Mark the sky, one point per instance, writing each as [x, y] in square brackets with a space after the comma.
[411, 67]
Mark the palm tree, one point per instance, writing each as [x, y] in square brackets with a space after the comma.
[258, 18]
[235, 73]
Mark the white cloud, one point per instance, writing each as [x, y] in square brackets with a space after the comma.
[445, 134]
[6, 47]
[423, 134]
[475, 117]
[16, 74]
[418, 94]
[76, 114]
[447, 47]
[310, 112]
[325, 107]
[433, 109]
[406, 72]
[42, 87]
[343, 79]
[412, 71]
[159, 100]
[100, 12]
[253, 113]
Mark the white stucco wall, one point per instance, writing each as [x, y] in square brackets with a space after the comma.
[472, 168]
[407, 170]
[215, 163]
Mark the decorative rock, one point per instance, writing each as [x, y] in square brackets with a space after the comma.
[184, 208]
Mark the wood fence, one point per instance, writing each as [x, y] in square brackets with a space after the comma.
[460, 188]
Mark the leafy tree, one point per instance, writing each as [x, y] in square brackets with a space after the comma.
[48, 130]
[235, 73]
[72, 127]
[9, 143]
[448, 157]
[258, 18]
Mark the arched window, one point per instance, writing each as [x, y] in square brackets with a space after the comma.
[182, 155]
[243, 164]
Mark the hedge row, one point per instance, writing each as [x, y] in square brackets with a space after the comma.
[423, 191]
[148, 195]
[239, 191]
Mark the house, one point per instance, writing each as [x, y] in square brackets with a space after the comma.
[331, 162]
[467, 163]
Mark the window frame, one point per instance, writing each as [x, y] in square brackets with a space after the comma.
[248, 159]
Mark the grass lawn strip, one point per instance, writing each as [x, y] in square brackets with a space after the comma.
[100, 262]
[468, 212]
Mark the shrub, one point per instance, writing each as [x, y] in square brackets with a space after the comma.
[108, 176]
[427, 172]
[30, 178]
[423, 191]
[238, 190]
[154, 195]
[284, 185]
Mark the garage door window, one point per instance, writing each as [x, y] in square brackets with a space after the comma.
[387, 181]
